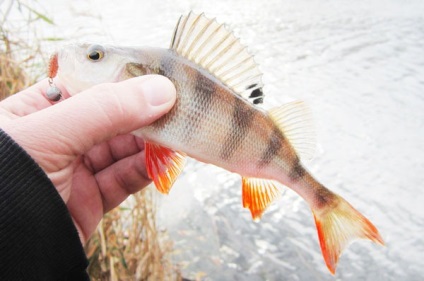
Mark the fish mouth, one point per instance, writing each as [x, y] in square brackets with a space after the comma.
[53, 65]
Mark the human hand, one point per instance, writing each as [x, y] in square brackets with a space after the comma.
[83, 143]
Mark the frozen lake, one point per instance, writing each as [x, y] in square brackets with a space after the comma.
[360, 67]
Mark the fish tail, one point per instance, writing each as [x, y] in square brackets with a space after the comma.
[338, 224]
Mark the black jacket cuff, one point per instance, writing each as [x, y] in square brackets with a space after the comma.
[38, 240]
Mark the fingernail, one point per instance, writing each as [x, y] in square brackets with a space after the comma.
[158, 90]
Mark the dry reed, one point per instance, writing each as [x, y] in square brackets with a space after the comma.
[128, 245]
[12, 76]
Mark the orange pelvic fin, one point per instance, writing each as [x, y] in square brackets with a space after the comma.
[163, 166]
[258, 194]
[338, 225]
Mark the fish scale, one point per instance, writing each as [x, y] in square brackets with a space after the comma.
[215, 120]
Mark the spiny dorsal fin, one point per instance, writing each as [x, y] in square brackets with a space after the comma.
[295, 121]
[212, 46]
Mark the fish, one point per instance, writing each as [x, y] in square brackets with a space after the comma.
[217, 119]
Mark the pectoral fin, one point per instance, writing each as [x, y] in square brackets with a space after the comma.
[258, 194]
[163, 165]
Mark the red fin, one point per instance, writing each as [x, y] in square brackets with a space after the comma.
[163, 166]
[258, 195]
[338, 225]
[53, 66]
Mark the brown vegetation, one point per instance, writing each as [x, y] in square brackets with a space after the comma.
[129, 246]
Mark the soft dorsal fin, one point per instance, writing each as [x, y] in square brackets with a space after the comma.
[295, 121]
[212, 46]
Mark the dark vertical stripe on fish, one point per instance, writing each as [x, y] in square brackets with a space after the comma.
[296, 170]
[272, 149]
[166, 66]
[204, 92]
[240, 124]
[324, 197]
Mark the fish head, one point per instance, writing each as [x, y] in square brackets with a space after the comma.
[81, 66]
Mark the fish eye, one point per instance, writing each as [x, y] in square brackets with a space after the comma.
[95, 53]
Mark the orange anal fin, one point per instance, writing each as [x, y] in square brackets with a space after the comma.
[338, 225]
[257, 195]
[163, 166]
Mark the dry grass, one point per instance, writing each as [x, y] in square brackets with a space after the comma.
[12, 77]
[127, 244]
[16, 53]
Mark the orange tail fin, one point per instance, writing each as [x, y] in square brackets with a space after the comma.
[338, 225]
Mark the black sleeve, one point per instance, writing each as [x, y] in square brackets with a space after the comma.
[38, 240]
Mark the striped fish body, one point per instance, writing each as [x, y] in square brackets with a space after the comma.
[211, 123]
[215, 120]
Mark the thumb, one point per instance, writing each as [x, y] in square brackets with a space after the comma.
[72, 127]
